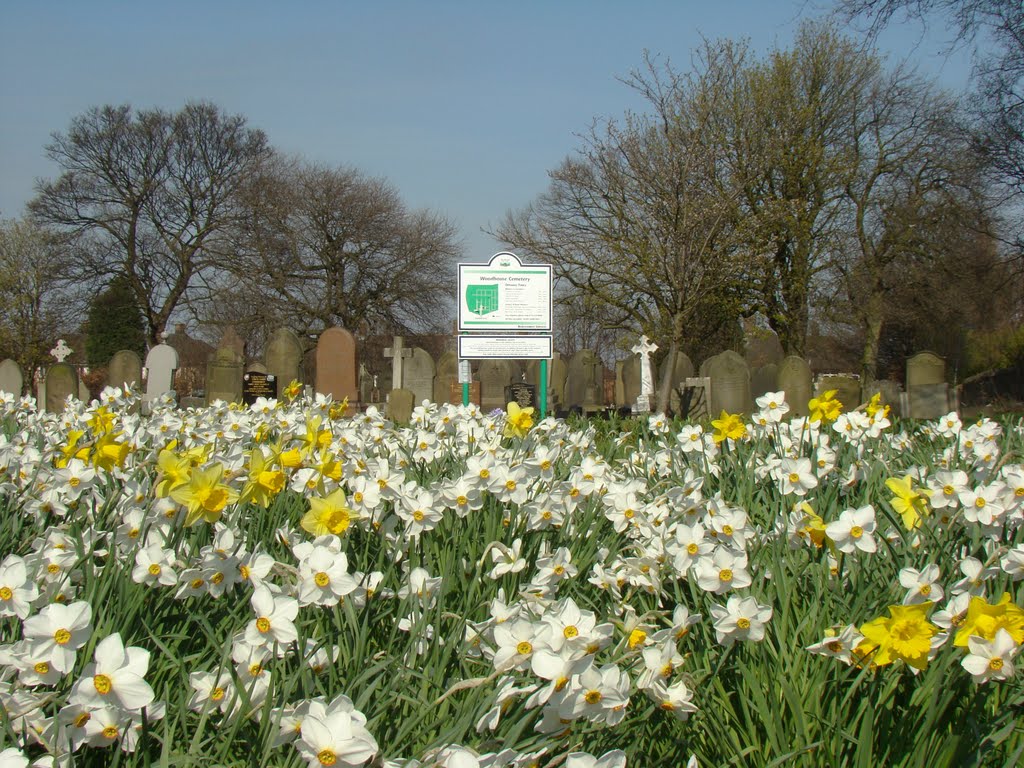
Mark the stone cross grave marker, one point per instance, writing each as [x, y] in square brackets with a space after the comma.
[644, 348]
[397, 353]
[61, 351]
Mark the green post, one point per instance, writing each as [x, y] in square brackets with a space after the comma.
[542, 398]
[465, 393]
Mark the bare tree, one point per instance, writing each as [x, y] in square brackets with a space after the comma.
[320, 246]
[33, 297]
[149, 195]
[640, 219]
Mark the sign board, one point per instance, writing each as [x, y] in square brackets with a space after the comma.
[504, 295]
[505, 347]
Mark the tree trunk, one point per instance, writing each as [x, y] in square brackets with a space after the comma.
[669, 365]
[872, 320]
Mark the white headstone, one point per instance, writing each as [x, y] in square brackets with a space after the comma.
[161, 362]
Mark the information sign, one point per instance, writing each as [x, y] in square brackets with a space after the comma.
[504, 295]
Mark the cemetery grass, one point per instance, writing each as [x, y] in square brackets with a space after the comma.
[413, 643]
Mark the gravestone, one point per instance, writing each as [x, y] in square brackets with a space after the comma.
[446, 373]
[795, 380]
[619, 390]
[398, 354]
[125, 369]
[494, 376]
[400, 405]
[584, 382]
[557, 370]
[925, 368]
[730, 383]
[847, 389]
[928, 394]
[284, 356]
[161, 363]
[419, 375]
[522, 394]
[455, 393]
[764, 379]
[889, 394]
[61, 382]
[366, 385]
[681, 371]
[224, 375]
[644, 349]
[11, 379]
[630, 370]
[336, 365]
[257, 384]
[762, 348]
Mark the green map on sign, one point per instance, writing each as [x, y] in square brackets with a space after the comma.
[482, 299]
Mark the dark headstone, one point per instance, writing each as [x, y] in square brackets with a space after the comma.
[522, 394]
[257, 384]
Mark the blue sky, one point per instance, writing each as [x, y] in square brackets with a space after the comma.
[463, 106]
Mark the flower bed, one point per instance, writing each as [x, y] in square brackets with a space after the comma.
[288, 584]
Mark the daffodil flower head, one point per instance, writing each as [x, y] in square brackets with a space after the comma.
[909, 502]
[728, 426]
[205, 495]
[985, 619]
[825, 408]
[906, 635]
[518, 421]
[293, 390]
[329, 515]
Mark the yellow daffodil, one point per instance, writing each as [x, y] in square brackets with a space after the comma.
[814, 526]
[985, 619]
[293, 390]
[825, 408]
[911, 503]
[71, 449]
[109, 453]
[728, 426]
[875, 405]
[205, 495]
[338, 410]
[517, 420]
[101, 421]
[906, 634]
[329, 515]
[174, 471]
[265, 480]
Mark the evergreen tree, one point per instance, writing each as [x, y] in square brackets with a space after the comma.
[115, 323]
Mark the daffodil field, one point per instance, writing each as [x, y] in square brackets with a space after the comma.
[293, 583]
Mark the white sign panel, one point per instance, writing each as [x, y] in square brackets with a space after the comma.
[505, 347]
[504, 295]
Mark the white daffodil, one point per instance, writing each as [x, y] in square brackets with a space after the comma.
[854, 530]
[741, 618]
[115, 678]
[17, 590]
[274, 619]
[991, 659]
[59, 630]
[336, 738]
